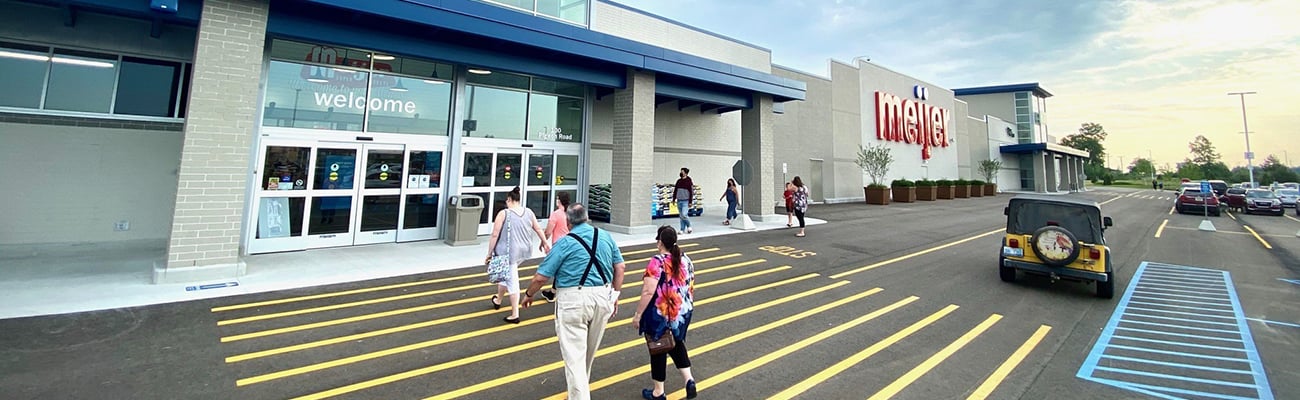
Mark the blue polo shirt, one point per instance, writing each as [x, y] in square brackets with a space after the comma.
[568, 259]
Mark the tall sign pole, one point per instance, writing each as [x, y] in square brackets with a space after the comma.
[1250, 165]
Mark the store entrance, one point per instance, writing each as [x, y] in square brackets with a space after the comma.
[541, 174]
[315, 194]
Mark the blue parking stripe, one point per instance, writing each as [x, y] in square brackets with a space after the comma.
[1294, 281]
[1151, 294]
[1267, 322]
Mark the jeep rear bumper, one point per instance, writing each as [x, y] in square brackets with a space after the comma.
[1060, 271]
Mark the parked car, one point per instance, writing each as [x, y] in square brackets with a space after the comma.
[1218, 186]
[1287, 196]
[1065, 238]
[1291, 185]
[1263, 201]
[1191, 200]
[1234, 199]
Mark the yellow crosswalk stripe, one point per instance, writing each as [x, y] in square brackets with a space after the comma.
[387, 287]
[911, 376]
[364, 335]
[839, 367]
[414, 295]
[640, 371]
[985, 389]
[408, 310]
[538, 343]
[790, 349]
[435, 342]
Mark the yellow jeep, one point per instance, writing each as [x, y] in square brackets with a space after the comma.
[1064, 237]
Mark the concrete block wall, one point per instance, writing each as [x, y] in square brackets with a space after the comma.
[214, 168]
[805, 131]
[622, 22]
[633, 143]
[846, 108]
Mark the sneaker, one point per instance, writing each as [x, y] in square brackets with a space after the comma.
[690, 389]
[549, 295]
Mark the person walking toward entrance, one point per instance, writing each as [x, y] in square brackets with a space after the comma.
[667, 302]
[557, 224]
[510, 237]
[683, 192]
[800, 203]
[588, 271]
[732, 196]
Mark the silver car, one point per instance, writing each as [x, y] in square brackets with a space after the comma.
[1288, 196]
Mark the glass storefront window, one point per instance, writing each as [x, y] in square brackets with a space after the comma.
[479, 166]
[317, 97]
[497, 78]
[383, 169]
[330, 215]
[379, 213]
[81, 81]
[284, 168]
[408, 105]
[508, 169]
[540, 202]
[428, 166]
[539, 170]
[335, 169]
[280, 217]
[147, 87]
[22, 74]
[559, 87]
[496, 113]
[555, 119]
[421, 211]
[574, 11]
[566, 170]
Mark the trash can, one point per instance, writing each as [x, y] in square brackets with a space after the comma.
[462, 220]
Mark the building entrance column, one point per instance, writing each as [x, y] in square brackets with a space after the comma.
[1049, 159]
[756, 147]
[219, 127]
[1040, 172]
[633, 166]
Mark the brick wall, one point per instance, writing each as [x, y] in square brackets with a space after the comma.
[209, 216]
[633, 155]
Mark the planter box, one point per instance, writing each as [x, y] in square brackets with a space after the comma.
[877, 196]
[976, 190]
[991, 189]
[926, 193]
[904, 194]
[946, 192]
[961, 191]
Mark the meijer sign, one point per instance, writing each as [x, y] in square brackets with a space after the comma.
[912, 122]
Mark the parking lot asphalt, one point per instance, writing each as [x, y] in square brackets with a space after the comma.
[898, 301]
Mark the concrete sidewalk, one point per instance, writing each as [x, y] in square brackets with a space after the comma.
[44, 283]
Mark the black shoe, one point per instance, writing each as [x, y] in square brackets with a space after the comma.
[549, 295]
[495, 304]
[649, 394]
[690, 389]
[512, 321]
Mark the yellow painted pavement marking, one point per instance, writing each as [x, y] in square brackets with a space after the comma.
[920, 370]
[385, 287]
[430, 343]
[1171, 210]
[640, 371]
[651, 250]
[901, 258]
[1261, 240]
[364, 335]
[790, 349]
[410, 296]
[691, 253]
[557, 365]
[985, 389]
[609, 350]
[1162, 228]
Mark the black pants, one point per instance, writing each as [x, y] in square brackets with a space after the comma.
[799, 214]
[659, 363]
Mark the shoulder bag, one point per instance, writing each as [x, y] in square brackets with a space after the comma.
[665, 343]
[498, 268]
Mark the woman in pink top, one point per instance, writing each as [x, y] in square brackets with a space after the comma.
[557, 226]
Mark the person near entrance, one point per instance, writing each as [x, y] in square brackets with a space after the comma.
[683, 192]
[557, 225]
[800, 203]
[587, 268]
[510, 236]
[732, 196]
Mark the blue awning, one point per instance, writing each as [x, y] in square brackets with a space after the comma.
[1030, 148]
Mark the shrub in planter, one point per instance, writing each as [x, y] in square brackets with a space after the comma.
[904, 190]
[976, 188]
[989, 170]
[877, 194]
[944, 189]
[926, 190]
[961, 188]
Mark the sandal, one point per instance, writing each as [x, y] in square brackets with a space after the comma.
[512, 321]
[495, 304]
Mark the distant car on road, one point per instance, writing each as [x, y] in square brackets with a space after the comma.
[1288, 196]
[1065, 238]
[1191, 200]
[1263, 201]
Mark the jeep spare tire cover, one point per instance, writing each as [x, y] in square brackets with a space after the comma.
[1055, 245]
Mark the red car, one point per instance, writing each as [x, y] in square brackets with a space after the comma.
[1191, 200]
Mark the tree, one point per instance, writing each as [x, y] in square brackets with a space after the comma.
[1089, 139]
[1141, 168]
[1239, 174]
[1272, 170]
[1190, 170]
[1216, 170]
[1203, 151]
[874, 161]
[989, 169]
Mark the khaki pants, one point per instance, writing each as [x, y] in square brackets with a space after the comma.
[580, 318]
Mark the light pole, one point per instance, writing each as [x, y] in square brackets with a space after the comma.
[1250, 165]
[1152, 160]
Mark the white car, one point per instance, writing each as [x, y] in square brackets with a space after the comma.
[1288, 196]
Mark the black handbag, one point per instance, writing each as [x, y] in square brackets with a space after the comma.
[665, 343]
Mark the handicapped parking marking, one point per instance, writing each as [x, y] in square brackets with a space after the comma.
[1179, 331]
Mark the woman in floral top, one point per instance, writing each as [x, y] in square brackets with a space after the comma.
[671, 311]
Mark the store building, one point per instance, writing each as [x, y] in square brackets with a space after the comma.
[1012, 118]
[210, 131]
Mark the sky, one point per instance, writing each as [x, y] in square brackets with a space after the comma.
[1155, 74]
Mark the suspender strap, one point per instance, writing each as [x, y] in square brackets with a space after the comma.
[591, 252]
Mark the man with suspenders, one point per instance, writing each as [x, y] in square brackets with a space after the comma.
[588, 271]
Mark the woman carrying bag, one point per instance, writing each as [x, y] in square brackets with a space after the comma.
[669, 285]
[511, 245]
